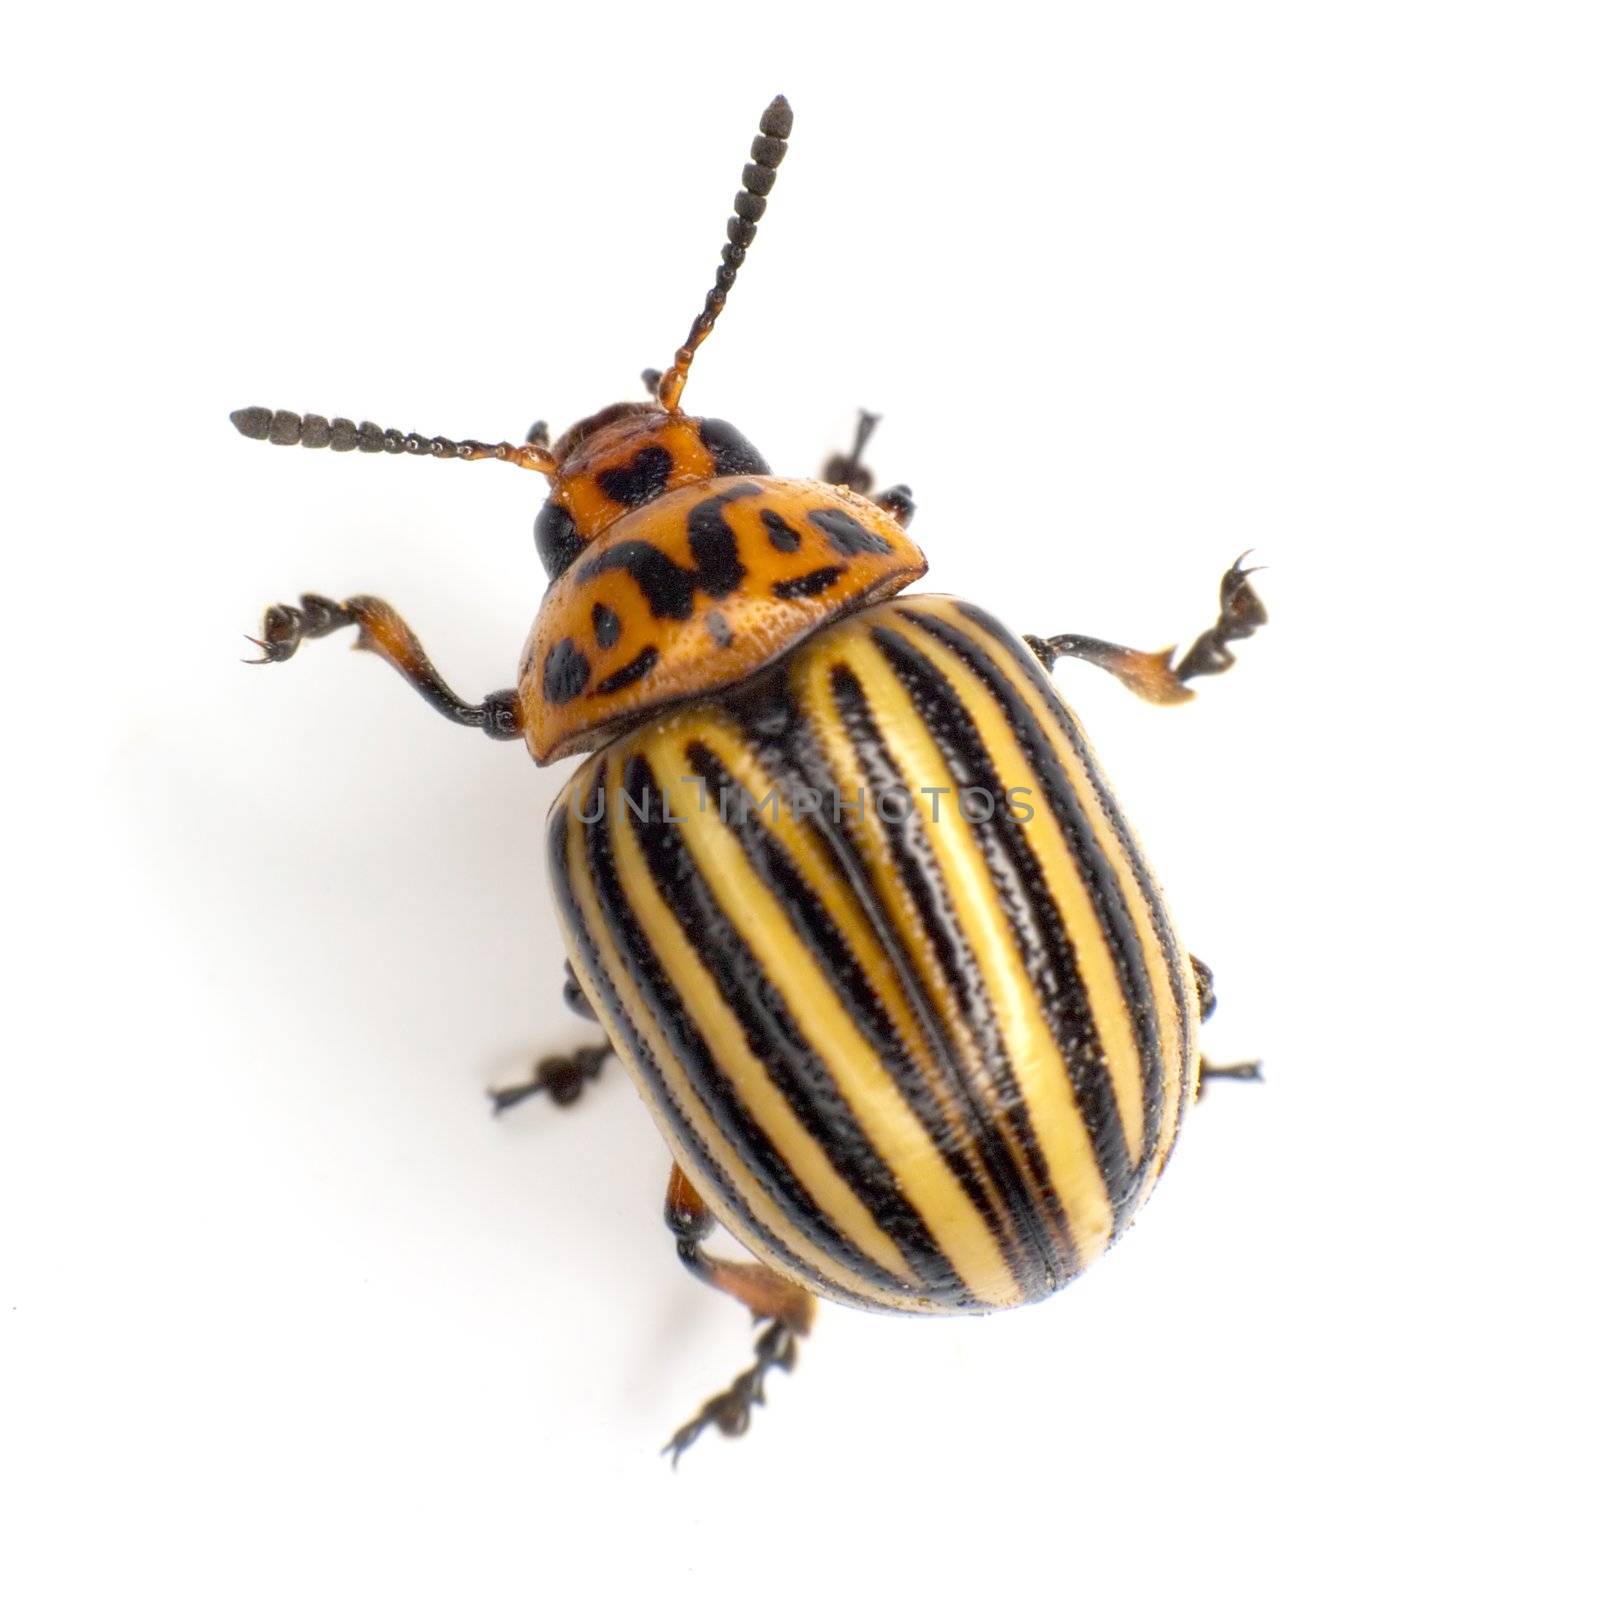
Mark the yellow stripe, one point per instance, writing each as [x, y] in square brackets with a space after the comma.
[1064, 876]
[873, 1098]
[1034, 1059]
[746, 1074]
[1177, 1070]
[839, 899]
[665, 1071]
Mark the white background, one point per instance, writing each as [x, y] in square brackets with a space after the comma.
[282, 1311]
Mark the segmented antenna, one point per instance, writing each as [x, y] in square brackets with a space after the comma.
[318, 433]
[767, 151]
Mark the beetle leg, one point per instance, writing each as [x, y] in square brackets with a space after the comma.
[576, 999]
[851, 472]
[380, 629]
[1244, 1071]
[561, 1077]
[1150, 673]
[1241, 1071]
[784, 1307]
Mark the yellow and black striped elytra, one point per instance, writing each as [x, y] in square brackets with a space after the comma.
[840, 877]
[876, 941]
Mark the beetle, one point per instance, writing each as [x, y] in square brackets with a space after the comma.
[840, 876]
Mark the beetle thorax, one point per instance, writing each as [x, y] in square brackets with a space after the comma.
[700, 583]
[623, 458]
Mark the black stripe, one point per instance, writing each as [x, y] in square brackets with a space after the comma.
[1049, 766]
[1105, 891]
[917, 868]
[714, 545]
[1037, 928]
[774, 1036]
[607, 624]
[846, 535]
[620, 1027]
[836, 964]
[817, 581]
[786, 745]
[641, 666]
[779, 534]
[707, 1080]
[669, 589]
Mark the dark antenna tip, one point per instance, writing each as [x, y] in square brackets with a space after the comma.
[767, 151]
[312, 432]
[777, 121]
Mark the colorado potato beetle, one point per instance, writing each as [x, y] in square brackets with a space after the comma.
[839, 877]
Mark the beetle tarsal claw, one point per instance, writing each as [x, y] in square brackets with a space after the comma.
[776, 1348]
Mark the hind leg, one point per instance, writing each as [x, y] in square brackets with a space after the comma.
[785, 1308]
[1240, 1071]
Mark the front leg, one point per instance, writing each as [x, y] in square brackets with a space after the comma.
[380, 629]
[1150, 673]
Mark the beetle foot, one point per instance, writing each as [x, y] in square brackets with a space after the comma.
[778, 1347]
[847, 469]
[283, 627]
[1241, 1071]
[1239, 613]
[561, 1077]
[898, 503]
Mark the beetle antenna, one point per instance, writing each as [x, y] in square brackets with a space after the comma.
[318, 433]
[769, 148]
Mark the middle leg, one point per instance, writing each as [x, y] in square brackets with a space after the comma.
[561, 1077]
[1150, 674]
[851, 472]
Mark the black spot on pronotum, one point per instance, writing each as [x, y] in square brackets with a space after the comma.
[641, 480]
[713, 545]
[669, 589]
[642, 664]
[556, 535]
[566, 670]
[607, 625]
[717, 627]
[731, 453]
[779, 534]
[846, 535]
[808, 583]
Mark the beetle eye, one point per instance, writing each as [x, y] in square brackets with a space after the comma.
[556, 535]
[731, 453]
